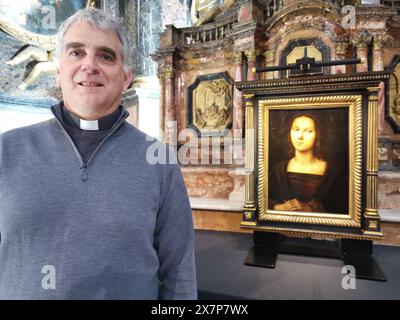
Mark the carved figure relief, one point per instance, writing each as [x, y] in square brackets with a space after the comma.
[45, 64]
[210, 103]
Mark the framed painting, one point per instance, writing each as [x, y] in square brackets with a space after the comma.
[309, 162]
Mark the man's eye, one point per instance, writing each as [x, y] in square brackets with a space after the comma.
[107, 57]
[76, 53]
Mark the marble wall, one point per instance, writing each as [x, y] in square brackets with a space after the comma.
[176, 12]
[152, 16]
[148, 26]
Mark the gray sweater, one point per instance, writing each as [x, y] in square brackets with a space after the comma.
[116, 227]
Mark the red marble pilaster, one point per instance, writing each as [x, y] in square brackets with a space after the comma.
[251, 55]
[237, 95]
[170, 121]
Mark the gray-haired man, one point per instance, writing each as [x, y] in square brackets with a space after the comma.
[83, 215]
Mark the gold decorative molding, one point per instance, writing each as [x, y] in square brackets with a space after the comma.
[269, 55]
[349, 82]
[251, 54]
[381, 40]
[262, 160]
[169, 72]
[160, 74]
[361, 40]
[249, 99]
[341, 48]
[250, 153]
[44, 42]
[371, 208]
[354, 105]
[238, 57]
[367, 235]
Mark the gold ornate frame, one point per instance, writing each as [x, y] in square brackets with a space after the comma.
[356, 92]
[353, 103]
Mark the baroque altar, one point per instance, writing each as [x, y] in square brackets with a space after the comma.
[202, 112]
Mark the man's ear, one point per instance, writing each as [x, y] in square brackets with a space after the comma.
[128, 79]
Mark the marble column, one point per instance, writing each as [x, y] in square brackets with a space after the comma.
[269, 61]
[237, 95]
[372, 220]
[170, 121]
[129, 23]
[238, 113]
[251, 56]
[250, 196]
[378, 43]
[131, 102]
[361, 42]
[161, 78]
[148, 25]
[112, 7]
[341, 54]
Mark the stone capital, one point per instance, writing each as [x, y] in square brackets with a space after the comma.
[381, 40]
[361, 40]
[238, 57]
[251, 54]
[169, 72]
[269, 54]
[160, 73]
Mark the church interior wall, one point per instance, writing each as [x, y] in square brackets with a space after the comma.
[216, 190]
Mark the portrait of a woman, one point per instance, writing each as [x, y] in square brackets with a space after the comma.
[306, 180]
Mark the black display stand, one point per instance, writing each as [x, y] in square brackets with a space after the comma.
[357, 253]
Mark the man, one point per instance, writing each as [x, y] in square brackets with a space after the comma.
[83, 215]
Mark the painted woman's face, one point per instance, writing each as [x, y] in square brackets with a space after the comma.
[303, 133]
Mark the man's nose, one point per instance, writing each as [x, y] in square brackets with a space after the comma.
[89, 64]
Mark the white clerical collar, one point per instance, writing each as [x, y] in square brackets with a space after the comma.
[90, 125]
[103, 123]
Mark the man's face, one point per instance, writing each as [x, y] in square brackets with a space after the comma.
[91, 73]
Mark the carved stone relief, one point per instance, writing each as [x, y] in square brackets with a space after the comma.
[210, 104]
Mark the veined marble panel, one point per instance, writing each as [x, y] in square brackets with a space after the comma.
[176, 12]
[149, 25]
